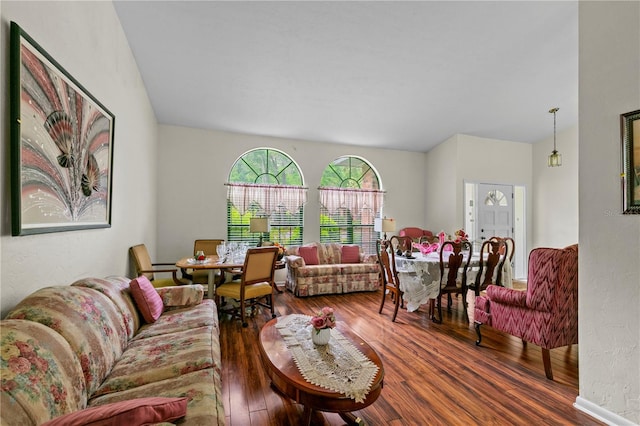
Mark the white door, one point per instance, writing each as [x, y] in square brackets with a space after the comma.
[495, 211]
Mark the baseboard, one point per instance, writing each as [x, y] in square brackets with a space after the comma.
[600, 413]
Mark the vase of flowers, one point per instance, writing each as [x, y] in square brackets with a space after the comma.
[281, 250]
[322, 324]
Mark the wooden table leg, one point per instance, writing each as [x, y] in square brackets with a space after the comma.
[352, 419]
[306, 416]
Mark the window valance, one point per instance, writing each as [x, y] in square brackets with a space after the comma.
[352, 199]
[270, 198]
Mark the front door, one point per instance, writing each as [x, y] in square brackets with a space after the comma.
[495, 211]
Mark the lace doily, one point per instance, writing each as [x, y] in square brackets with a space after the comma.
[338, 366]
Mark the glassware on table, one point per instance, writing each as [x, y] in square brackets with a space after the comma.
[221, 251]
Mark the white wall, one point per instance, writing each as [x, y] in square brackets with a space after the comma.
[195, 164]
[555, 192]
[464, 158]
[87, 40]
[609, 260]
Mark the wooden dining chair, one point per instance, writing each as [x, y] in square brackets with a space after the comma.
[489, 270]
[255, 286]
[389, 275]
[506, 255]
[145, 267]
[401, 244]
[209, 249]
[454, 263]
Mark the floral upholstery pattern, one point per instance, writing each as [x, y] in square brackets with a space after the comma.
[36, 373]
[330, 276]
[182, 296]
[65, 348]
[87, 319]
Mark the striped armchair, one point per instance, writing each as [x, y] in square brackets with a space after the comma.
[546, 314]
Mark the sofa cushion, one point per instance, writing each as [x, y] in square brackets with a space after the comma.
[309, 254]
[116, 289]
[162, 357]
[41, 375]
[87, 319]
[147, 298]
[135, 411]
[350, 254]
[182, 319]
[202, 389]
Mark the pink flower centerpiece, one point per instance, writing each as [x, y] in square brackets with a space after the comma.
[323, 319]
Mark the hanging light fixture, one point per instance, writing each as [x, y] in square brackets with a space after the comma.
[555, 159]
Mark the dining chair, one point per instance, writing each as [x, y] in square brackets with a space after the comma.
[400, 244]
[506, 254]
[209, 249]
[489, 270]
[454, 263]
[255, 286]
[144, 266]
[389, 275]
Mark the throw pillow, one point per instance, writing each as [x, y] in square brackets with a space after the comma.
[130, 412]
[350, 254]
[309, 254]
[147, 298]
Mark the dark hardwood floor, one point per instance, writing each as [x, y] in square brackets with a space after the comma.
[434, 373]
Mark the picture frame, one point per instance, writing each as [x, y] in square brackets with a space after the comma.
[61, 145]
[630, 135]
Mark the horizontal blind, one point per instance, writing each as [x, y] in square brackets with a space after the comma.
[285, 228]
[341, 227]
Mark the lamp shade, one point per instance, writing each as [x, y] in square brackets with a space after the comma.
[384, 225]
[259, 224]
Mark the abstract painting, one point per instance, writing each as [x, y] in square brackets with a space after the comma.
[61, 146]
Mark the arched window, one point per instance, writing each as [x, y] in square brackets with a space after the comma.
[265, 182]
[350, 200]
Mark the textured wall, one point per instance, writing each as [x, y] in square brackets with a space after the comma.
[609, 287]
[87, 40]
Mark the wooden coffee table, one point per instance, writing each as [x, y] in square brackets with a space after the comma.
[286, 377]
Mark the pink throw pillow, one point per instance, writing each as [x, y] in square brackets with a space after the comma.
[309, 254]
[130, 412]
[147, 298]
[350, 254]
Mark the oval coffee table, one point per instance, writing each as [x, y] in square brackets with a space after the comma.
[286, 377]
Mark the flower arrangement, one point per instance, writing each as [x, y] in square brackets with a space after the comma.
[325, 318]
[461, 235]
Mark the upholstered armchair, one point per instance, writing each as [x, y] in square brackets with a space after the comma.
[546, 314]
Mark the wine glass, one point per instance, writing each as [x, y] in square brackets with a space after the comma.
[221, 251]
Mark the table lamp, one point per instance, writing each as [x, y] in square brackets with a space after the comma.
[384, 225]
[259, 224]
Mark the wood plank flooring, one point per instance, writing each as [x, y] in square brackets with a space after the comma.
[434, 373]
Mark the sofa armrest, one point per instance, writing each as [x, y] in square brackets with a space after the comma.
[181, 296]
[368, 258]
[294, 261]
[507, 296]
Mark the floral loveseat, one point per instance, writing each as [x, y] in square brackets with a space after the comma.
[330, 268]
[78, 349]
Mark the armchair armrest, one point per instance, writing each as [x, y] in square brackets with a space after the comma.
[181, 296]
[294, 261]
[507, 296]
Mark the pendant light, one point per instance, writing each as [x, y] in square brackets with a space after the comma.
[555, 159]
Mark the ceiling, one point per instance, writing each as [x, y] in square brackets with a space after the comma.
[398, 75]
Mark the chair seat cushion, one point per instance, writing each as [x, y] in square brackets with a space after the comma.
[232, 290]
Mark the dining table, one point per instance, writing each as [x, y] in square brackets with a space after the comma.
[211, 263]
[419, 276]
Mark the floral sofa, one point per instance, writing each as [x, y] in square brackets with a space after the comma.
[331, 268]
[73, 350]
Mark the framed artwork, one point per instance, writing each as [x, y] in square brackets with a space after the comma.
[61, 146]
[630, 128]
